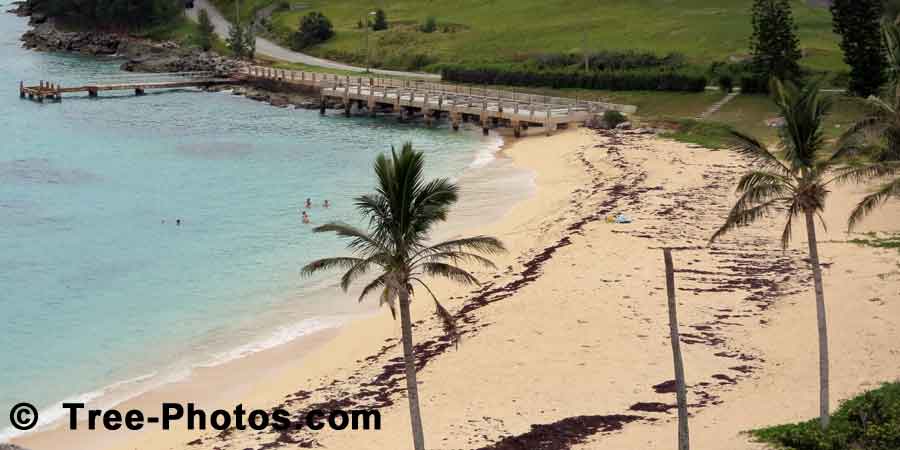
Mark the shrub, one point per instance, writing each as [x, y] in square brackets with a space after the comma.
[754, 84]
[870, 421]
[613, 118]
[205, 38]
[430, 25]
[380, 22]
[726, 82]
[609, 60]
[314, 29]
[627, 80]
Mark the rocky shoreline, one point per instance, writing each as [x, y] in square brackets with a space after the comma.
[149, 56]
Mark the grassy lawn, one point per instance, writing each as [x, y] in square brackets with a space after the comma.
[509, 30]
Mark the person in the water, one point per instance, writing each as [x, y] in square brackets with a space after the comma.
[177, 222]
[308, 203]
[305, 217]
[326, 204]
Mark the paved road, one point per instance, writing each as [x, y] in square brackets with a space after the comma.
[273, 50]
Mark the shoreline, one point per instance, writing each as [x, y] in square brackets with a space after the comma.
[203, 381]
[575, 311]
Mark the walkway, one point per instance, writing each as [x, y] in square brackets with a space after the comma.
[718, 105]
[273, 50]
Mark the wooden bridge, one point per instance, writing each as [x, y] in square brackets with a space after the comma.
[488, 107]
[409, 98]
[139, 83]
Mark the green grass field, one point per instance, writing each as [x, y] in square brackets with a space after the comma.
[510, 30]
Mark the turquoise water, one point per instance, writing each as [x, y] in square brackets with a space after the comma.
[97, 283]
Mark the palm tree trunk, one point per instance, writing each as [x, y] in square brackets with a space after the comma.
[820, 318]
[684, 442]
[409, 358]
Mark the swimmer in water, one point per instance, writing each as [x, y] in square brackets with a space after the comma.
[308, 203]
[305, 217]
[326, 204]
[177, 222]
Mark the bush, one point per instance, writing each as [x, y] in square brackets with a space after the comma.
[608, 60]
[754, 84]
[870, 421]
[206, 28]
[628, 80]
[315, 28]
[726, 82]
[430, 25]
[380, 22]
[613, 118]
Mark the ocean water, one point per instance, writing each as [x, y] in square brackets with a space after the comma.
[99, 289]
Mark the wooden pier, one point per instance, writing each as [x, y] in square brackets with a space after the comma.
[139, 83]
[411, 98]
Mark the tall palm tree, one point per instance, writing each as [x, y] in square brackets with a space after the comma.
[792, 178]
[401, 214]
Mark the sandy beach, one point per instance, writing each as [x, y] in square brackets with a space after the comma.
[566, 345]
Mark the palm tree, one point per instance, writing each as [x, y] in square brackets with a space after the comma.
[792, 179]
[401, 214]
[881, 125]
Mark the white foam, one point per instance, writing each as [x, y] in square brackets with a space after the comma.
[486, 154]
[280, 336]
[122, 391]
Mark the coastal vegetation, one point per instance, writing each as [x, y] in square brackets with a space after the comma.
[401, 214]
[857, 22]
[206, 30]
[794, 178]
[109, 14]
[869, 421]
[315, 28]
[774, 43]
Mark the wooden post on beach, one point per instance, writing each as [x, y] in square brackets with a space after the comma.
[680, 389]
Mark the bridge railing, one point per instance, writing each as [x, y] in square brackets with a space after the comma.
[334, 81]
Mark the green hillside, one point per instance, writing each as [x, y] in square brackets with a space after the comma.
[509, 30]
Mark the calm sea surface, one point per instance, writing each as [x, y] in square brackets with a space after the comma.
[98, 286]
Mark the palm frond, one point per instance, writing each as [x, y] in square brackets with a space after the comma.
[450, 272]
[872, 201]
[750, 147]
[457, 256]
[328, 264]
[743, 216]
[378, 282]
[389, 297]
[793, 211]
[480, 244]
[360, 240]
[862, 172]
[447, 319]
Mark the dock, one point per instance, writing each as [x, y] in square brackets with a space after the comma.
[432, 101]
[138, 83]
[489, 108]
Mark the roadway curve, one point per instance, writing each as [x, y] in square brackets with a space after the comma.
[273, 50]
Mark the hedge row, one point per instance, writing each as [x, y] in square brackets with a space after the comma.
[627, 80]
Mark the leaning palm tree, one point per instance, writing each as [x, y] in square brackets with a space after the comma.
[401, 214]
[792, 179]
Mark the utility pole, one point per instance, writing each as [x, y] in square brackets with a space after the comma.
[675, 337]
[584, 48]
[367, 42]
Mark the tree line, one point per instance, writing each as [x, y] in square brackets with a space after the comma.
[110, 14]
